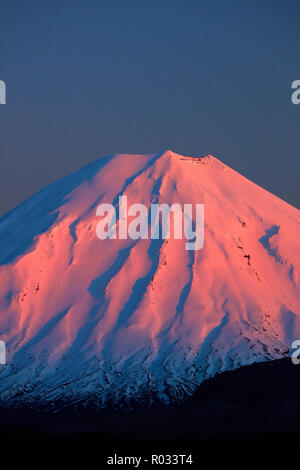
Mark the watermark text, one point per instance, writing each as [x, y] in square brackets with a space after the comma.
[2, 92]
[295, 97]
[160, 221]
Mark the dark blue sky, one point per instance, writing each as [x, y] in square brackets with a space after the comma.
[90, 78]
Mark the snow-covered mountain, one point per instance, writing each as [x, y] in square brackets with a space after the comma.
[122, 319]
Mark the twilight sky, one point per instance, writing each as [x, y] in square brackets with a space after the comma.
[90, 78]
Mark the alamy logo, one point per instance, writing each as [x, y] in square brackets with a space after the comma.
[295, 97]
[2, 352]
[135, 221]
[2, 92]
[296, 354]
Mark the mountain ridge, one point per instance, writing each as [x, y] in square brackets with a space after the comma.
[113, 318]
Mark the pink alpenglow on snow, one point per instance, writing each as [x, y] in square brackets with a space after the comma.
[121, 319]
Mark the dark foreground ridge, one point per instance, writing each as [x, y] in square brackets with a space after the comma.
[254, 407]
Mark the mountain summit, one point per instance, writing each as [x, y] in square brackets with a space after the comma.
[122, 319]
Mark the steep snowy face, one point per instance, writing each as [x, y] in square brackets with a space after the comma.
[118, 319]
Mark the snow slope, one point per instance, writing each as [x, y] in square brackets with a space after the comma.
[116, 320]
